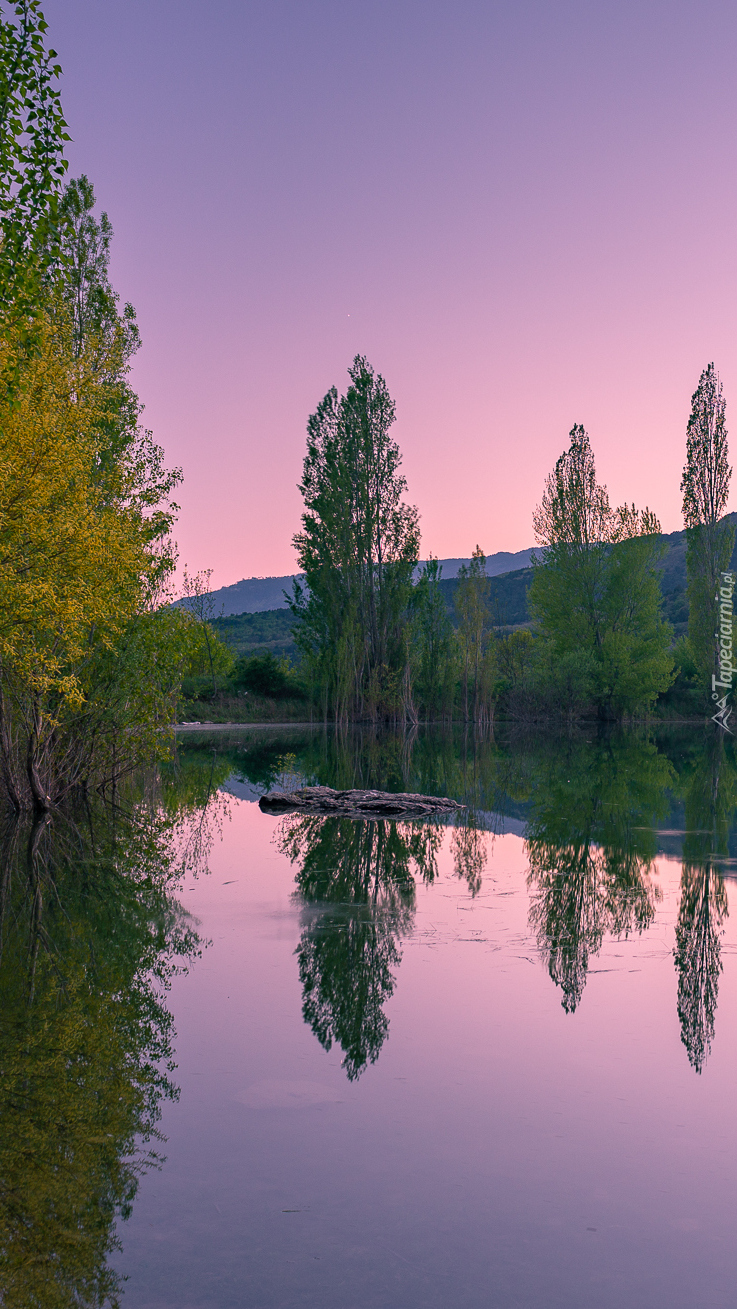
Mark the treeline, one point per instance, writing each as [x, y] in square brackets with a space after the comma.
[376, 647]
[91, 655]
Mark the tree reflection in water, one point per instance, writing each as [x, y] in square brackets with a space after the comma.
[710, 800]
[90, 937]
[357, 881]
[591, 844]
[469, 847]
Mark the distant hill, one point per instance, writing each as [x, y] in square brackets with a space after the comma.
[255, 633]
[270, 628]
[254, 595]
[508, 593]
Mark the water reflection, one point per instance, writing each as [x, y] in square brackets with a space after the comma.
[591, 844]
[90, 937]
[710, 803]
[468, 844]
[91, 934]
[357, 881]
[590, 810]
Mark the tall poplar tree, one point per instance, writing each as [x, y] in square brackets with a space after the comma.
[358, 548]
[472, 607]
[433, 644]
[709, 535]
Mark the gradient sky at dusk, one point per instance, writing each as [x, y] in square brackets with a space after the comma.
[522, 213]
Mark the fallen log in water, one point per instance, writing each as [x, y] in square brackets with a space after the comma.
[356, 804]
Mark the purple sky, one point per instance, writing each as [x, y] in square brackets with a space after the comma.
[522, 213]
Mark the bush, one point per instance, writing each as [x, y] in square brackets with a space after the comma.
[266, 675]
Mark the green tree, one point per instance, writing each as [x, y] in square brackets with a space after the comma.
[199, 602]
[266, 675]
[472, 607]
[595, 590]
[84, 556]
[83, 272]
[709, 536]
[106, 336]
[433, 644]
[32, 165]
[88, 665]
[358, 547]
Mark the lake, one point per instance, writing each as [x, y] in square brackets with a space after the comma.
[491, 1062]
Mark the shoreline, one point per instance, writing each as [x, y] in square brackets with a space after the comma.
[220, 727]
[584, 722]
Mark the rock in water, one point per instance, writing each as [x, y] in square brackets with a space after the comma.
[356, 804]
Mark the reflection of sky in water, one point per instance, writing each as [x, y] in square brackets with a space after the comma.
[499, 1152]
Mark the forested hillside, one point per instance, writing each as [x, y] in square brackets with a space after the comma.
[272, 630]
[256, 633]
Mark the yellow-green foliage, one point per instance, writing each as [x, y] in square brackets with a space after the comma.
[84, 552]
[205, 651]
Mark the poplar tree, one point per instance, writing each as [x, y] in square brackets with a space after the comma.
[709, 535]
[434, 646]
[357, 549]
[472, 607]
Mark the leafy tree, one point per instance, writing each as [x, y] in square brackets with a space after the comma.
[595, 590]
[107, 337]
[32, 165]
[709, 536]
[83, 271]
[199, 602]
[472, 607]
[89, 657]
[209, 657]
[433, 644]
[266, 675]
[84, 555]
[358, 547]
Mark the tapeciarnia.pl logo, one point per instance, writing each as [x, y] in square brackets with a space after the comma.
[727, 667]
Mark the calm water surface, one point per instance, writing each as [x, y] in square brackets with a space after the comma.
[491, 1065]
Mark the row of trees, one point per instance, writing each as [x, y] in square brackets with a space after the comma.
[377, 642]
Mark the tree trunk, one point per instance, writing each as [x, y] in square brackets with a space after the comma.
[40, 796]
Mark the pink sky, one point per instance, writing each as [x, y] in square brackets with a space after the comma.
[523, 214]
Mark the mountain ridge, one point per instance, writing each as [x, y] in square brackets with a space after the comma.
[271, 629]
[255, 595]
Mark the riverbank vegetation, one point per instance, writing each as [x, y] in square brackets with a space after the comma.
[583, 633]
[91, 653]
[374, 646]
